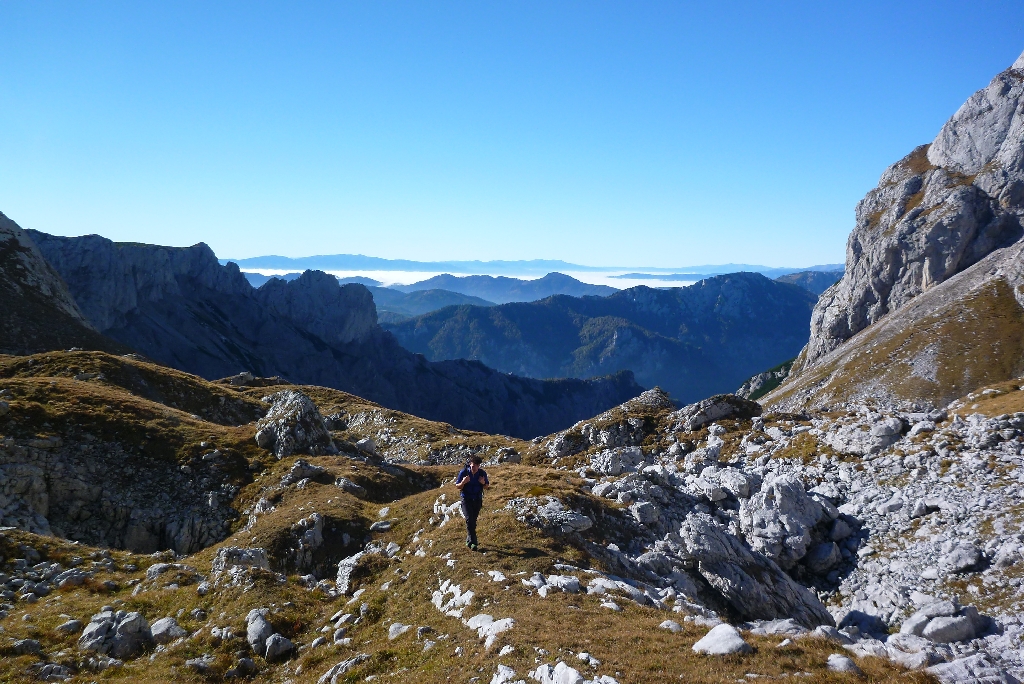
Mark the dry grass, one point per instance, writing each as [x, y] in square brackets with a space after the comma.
[979, 343]
[47, 400]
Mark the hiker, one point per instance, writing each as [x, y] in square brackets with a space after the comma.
[472, 481]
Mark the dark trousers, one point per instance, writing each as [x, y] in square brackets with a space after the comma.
[471, 509]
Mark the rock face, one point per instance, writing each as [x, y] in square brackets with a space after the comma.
[180, 307]
[750, 584]
[85, 491]
[693, 341]
[718, 407]
[337, 315]
[940, 215]
[39, 313]
[936, 249]
[936, 212]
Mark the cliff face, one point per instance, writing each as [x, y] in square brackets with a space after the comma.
[935, 213]
[180, 307]
[315, 302]
[38, 312]
[932, 302]
[114, 281]
[693, 341]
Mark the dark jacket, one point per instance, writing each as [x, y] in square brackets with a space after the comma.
[474, 489]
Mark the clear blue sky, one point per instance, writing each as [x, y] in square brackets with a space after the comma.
[601, 133]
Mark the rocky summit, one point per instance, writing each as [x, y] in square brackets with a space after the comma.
[929, 306]
[39, 312]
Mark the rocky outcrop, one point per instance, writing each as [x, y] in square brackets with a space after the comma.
[691, 341]
[98, 492]
[118, 633]
[719, 407]
[964, 333]
[750, 584]
[315, 302]
[764, 382]
[935, 213]
[180, 307]
[293, 425]
[39, 313]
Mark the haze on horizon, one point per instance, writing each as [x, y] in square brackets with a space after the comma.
[592, 133]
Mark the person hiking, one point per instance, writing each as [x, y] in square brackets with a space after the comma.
[471, 482]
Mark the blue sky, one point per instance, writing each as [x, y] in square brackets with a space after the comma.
[660, 134]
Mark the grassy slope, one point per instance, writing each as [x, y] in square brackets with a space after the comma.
[133, 400]
[949, 348]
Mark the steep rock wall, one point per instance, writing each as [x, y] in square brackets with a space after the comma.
[935, 213]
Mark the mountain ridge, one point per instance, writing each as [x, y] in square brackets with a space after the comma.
[693, 342]
[504, 290]
[180, 307]
[37, 309]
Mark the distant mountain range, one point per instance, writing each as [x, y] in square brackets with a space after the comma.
[698, 272]
[359, 262]
[813, 281]
[692, 341]
[502, 290]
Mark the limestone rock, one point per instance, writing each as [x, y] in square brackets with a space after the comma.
[166, 630]
[231, 562]
[335, 674]
[935, 213]
[964, 558]
[258, 630]
[777, 520]
[40, 313]
[314, 300]
[551, 515]
[722, 640]
[718, 407]
[278, 647]
[751, 584]
[840, 663]
[120, 634]
[293, 425]
[946, 629]
[940, 237]
[974, 669]
[27, 647]
[302, 470]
